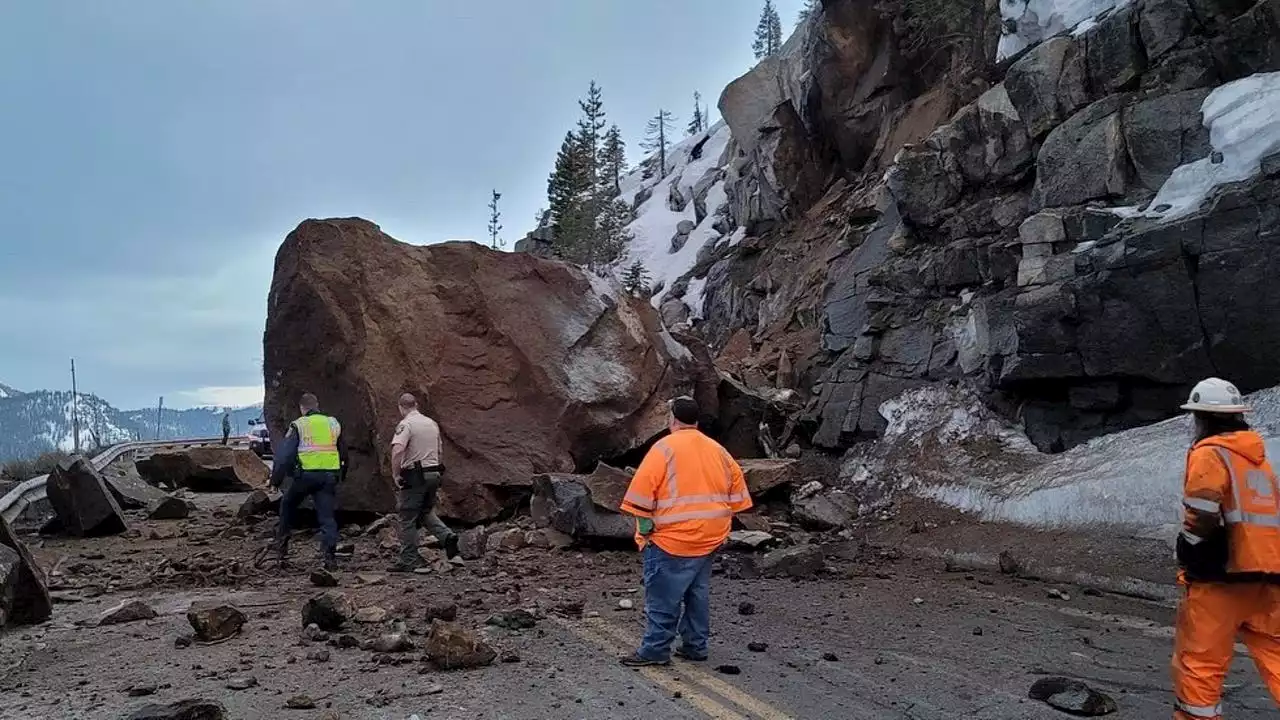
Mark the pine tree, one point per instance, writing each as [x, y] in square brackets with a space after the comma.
[613, 160]
[612, 235]
[495, 226]
[699, 122]
[657, 139]
[565, 191]
[768, 32]
[591, 132]
[635, 279]
[811, 8]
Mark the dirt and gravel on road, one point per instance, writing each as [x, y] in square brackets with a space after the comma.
[882, 632]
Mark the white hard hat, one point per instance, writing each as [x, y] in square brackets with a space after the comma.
[1216, 396]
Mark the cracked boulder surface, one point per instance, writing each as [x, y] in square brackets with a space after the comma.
[529, 365]
[980, 240]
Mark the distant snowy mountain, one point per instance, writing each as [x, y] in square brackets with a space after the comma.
[37, 422]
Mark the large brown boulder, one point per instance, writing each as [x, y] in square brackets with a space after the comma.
[530, 365]
[206, 469]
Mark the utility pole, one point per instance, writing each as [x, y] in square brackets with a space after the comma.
[75, 411]
[159, 412]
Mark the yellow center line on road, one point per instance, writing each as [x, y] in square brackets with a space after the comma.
[707, 705]
[756, 707]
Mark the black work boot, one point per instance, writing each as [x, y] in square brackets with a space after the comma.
[282, 553]
[451, 546]
[330, 561]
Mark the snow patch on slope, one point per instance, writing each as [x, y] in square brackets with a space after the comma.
[942, 443]
[1243, 118]
[656, 223]
[1029, 22]
[8, 392]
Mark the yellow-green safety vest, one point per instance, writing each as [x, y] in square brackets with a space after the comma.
[318, 442]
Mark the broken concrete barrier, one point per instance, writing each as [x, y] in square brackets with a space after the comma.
[81, 501]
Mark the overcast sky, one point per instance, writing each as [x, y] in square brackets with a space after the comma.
[154, 153]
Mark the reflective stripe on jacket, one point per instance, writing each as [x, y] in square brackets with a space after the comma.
[318, 442]
[690, 487]
[1230, 484]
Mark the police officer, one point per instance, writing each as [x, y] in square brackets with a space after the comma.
[417, 467]
[312, 453]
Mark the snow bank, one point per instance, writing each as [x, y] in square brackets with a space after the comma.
[1028, 22]
[656, 223]
[1243, 118]
[942, 443]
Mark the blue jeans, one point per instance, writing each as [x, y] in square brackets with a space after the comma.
[669, 582]
[322, 486]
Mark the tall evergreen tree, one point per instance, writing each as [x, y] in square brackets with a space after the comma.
[768, 32]
[699, 121]
[495, 224]
[565, 190]
[613, 160]
[657, 139]
[591, 131]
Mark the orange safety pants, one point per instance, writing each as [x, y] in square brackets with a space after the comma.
[1210, 617]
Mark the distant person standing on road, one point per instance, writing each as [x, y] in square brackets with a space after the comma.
[417, 470]
[1228, 554]
[226, 426]
[312, 454]
[683, 497]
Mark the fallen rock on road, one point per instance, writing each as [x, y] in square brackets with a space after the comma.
[24, 599]
[215, 622]
[128, 612]
[801, 561]
[206, 469]
[569, 367]
[1072, 696]
[453, 647]
[81, 501]
[329, 611]
[170, 508]
[182, 710]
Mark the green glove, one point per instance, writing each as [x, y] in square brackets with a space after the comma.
[645, 525]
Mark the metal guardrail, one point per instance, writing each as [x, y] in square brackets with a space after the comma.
[16, 502]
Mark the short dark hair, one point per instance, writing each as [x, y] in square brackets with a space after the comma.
[685, 409]
[1209, 424]
[309, 401]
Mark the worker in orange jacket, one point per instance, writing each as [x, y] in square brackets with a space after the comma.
[1228, 554]
[683, 497]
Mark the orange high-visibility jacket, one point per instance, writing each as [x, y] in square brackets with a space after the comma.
[1229, 482]
[690, 487]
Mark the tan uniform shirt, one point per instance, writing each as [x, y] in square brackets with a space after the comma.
[420, 437]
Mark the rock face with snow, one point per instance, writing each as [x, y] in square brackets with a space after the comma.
[1082, 240]
[529, 365]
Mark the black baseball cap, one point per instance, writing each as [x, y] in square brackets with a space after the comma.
[686, 410]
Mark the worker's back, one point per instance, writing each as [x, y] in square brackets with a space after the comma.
[694, 486]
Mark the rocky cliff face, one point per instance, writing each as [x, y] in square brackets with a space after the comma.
[1014, 225]
[530, 366]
